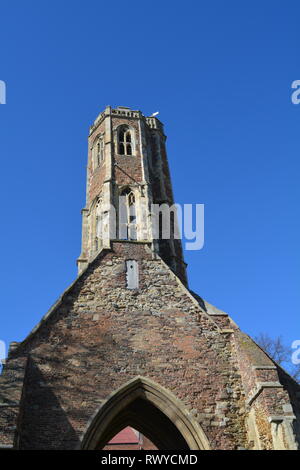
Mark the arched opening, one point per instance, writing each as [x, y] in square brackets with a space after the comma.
[125, 141]
[151, 410]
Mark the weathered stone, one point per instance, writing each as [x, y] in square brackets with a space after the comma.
[187, 361]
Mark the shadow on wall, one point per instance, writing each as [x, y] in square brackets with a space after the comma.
[43, 422]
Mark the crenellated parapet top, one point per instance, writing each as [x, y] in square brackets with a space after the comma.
[121, 111]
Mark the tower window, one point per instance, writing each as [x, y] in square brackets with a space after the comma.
[127, 216]
[98, 151]
[125, 142]
[98, 225]
[132, 274]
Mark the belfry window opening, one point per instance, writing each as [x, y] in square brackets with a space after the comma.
[124, 142]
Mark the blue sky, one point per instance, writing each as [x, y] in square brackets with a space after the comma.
[220, 74]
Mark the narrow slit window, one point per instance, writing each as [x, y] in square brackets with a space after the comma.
[98, 152]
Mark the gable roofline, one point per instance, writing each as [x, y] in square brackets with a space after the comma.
[205, 308]
[59, 300]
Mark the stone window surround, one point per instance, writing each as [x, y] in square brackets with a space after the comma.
[97, 151]
[116, 132]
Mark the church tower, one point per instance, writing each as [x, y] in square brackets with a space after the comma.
[127, 177]
[127, 344]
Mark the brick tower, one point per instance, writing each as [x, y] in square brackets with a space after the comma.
[127, 164]
[128, 345]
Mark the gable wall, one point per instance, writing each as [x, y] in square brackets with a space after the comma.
[103, 335]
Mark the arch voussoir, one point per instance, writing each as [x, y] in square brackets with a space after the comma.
[151, 409]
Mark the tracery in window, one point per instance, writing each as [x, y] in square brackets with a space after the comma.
[124, 141]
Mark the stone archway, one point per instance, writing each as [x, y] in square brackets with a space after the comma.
[152, 410]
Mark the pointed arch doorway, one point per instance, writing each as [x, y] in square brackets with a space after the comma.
[150, 409]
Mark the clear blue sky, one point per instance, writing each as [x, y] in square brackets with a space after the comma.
[220, 74]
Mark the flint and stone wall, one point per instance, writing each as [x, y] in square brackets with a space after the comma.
[101, 334]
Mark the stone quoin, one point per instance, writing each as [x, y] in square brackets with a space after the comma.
[128, 344]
